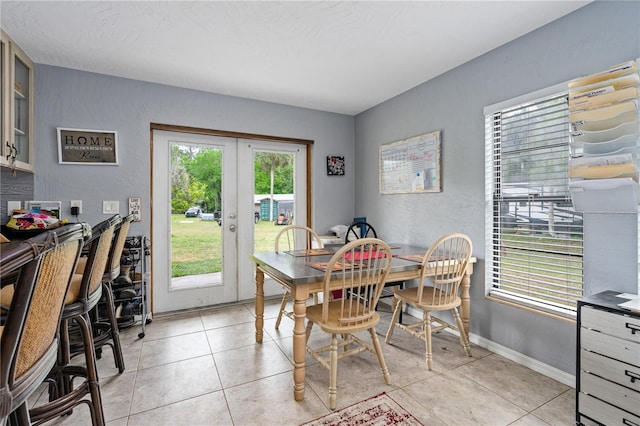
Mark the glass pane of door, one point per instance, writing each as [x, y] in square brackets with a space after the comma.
[196, 205]
[274, 195]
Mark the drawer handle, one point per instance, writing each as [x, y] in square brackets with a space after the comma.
[634, 376]
[629, 422]
[634, 328]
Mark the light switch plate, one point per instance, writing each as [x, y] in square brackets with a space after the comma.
[13, 205]
[110, 207]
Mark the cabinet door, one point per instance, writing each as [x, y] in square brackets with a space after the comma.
[17, 107]
[4, 104]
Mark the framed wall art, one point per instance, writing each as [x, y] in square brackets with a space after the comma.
[335, 165]
[135, 208]
[411, 165]
[89, 147]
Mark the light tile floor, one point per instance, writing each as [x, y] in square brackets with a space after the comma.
[204, 368]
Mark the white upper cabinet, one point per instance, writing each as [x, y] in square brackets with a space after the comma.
[17, 107]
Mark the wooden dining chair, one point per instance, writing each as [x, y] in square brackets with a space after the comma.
[29, 336]
[359, 270]
[359, 230]
[290, 238]
[448, 257]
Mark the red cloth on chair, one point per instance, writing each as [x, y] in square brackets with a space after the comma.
[364, 255]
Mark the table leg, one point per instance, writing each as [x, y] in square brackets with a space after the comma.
[300, 295]
[465, 307]
[394, 301]
[259, 304]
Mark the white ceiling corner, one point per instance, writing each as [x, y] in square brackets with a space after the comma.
[336, 56]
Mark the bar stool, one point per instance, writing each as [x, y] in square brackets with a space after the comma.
[29, 336]
[84, 294]
[106, 330]
[104, 322]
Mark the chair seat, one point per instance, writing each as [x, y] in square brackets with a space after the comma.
[6, 295]
[333, 325]
[74, 290]
[410, 295]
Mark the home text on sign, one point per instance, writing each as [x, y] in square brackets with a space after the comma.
[76, 146]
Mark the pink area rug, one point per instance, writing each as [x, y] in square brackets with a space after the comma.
[379, 410]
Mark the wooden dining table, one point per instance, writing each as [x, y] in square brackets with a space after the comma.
[295, 272]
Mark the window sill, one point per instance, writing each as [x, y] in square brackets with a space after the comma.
[566, 315]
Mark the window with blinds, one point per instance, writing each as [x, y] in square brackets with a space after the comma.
[534, 236]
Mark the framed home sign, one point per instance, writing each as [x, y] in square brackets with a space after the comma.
[89, 147]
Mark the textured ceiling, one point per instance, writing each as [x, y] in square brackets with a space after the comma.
[342, 57]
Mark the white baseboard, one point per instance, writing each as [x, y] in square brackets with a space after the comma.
[540, 367]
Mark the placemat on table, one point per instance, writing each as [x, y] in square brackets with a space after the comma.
[412, 257]
[323, 265]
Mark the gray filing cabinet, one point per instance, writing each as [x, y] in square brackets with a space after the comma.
[608, 362]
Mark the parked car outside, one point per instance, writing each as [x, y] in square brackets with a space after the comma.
[193, 212]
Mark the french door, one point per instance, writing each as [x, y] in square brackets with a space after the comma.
[217, 270]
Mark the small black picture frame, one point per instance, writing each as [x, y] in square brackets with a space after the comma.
[335, 165]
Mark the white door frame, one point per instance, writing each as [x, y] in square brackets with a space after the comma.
[243, 287]
[164, 297]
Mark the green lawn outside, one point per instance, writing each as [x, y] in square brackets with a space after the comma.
[196, 244]
[558, 276]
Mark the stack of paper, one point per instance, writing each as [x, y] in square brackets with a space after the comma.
[605, 130]
[603, 167]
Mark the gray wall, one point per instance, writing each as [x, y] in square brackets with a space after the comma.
[589, 40]
[76, 99]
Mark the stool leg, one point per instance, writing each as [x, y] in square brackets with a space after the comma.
[92, 371]
[64, 383]
[113, 321]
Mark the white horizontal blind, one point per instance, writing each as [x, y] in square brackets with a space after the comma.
[534, 236]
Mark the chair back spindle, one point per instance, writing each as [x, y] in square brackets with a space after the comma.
[448, 257]
[361, 267]
[297, 237]
[115, 253]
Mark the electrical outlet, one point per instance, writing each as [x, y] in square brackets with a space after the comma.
[78, 204]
